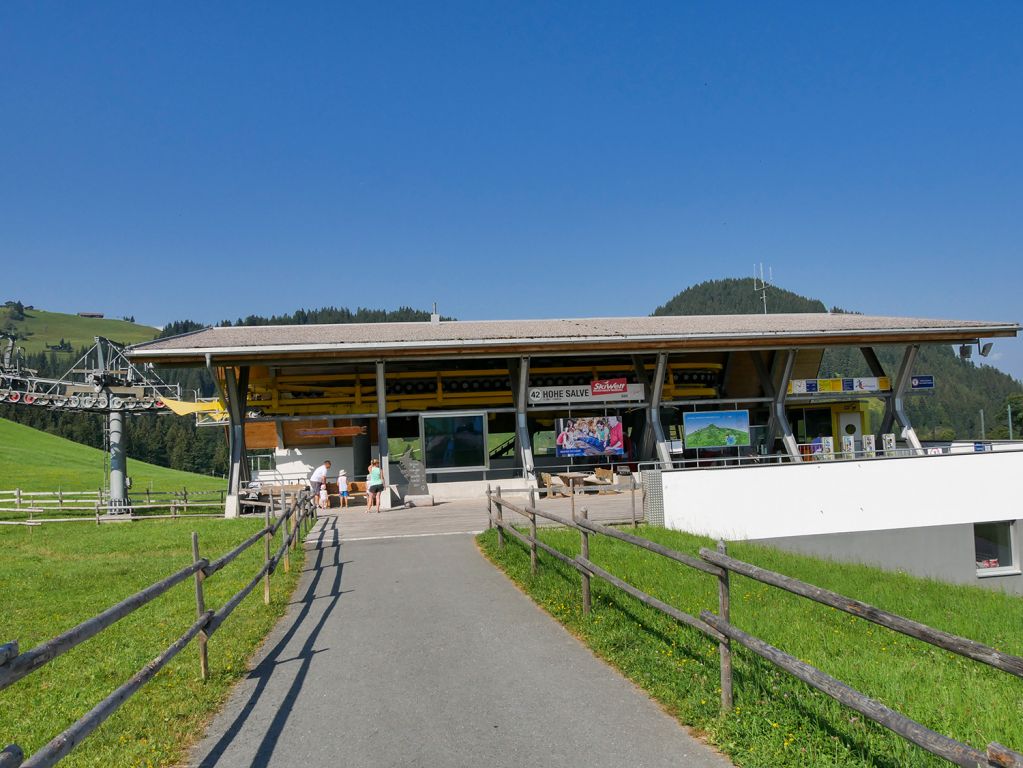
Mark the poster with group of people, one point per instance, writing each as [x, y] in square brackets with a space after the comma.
[589, 436]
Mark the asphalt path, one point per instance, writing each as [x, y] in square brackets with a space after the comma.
[418, 652]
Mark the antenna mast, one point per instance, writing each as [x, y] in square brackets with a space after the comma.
[761, 285]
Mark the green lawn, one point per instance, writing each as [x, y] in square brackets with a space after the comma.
[56, 576]
[44, 328]
[778, 721]
[37, 461]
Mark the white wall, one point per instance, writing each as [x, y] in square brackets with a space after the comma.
[844, 496]
[299, 463]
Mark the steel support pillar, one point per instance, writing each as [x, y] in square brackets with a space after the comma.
[118, 460]
[234, 394]
[895, 405]
[779, 419]
[525, 446]
[382, 448]
[654, 412]
[876, 369]
[767, 387]
[644, 449]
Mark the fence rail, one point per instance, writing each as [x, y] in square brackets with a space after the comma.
[79, 505]
[718, 628]
[296, 514]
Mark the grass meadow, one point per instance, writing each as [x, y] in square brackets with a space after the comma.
[38, 461]
[56, 576]
[777, 720]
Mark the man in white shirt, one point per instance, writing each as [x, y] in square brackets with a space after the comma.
[318, 478]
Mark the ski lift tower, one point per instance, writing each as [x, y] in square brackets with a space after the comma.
[103, 381]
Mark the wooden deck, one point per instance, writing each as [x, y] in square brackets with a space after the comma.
[469, 516]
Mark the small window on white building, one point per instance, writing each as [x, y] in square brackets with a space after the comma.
[993, 543]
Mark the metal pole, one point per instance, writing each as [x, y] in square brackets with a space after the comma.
[1009, 406]
[983, 431]
[118, 460]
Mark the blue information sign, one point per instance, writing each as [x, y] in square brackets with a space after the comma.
[922, 382]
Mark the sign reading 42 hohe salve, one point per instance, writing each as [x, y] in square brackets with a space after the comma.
[600, 391]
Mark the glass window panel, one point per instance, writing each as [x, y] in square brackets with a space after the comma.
[993, 545]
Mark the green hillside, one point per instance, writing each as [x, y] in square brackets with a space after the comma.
[736, 297]
[37, 329]
[36, 461]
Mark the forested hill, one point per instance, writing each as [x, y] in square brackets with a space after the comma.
[736, 297]
[962, 388]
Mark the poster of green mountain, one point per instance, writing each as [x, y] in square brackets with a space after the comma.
[716, 429]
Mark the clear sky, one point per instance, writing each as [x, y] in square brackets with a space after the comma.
[211, 160]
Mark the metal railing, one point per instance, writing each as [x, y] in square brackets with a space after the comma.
[296, 515]
[719, 628]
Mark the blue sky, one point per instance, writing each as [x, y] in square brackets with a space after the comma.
[206, 161]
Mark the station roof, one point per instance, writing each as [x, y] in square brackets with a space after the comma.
[273, 344]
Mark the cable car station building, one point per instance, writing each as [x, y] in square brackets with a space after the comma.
[500, 401]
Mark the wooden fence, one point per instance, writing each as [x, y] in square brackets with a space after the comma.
[36, 507]
[718, 628]
[296, 514]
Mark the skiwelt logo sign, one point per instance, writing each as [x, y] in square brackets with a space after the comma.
[609, 387]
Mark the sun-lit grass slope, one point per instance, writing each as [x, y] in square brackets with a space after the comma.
[777, 720]
[37, 461]
[44, 328]
[56, 576]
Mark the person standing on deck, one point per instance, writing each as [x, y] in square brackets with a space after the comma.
[318, 478]
[374, 486]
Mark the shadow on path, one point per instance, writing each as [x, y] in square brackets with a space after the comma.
[328, 555]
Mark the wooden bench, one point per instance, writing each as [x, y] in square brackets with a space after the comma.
[554, 485]
[601, 476]
[356, 489]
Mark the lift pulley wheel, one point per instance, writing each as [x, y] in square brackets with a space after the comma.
[73, 402]
[116, 403]
[101, 401]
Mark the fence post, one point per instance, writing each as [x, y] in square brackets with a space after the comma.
[200, 609]
[17, 498]
[12, 755]
[296, 523]
[500, 520]
[287, 544]
[584, 550]
[149, 499]
[266, 551]
[60, 499]
[490, 509]
[725, 646]
[635, 524]
[184, 495]
[532, 531]
[174, 510]
[97, 513]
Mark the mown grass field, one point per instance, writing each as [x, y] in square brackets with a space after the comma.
[55, 576]
[778, 721]
[37, 461]
[43, 328]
